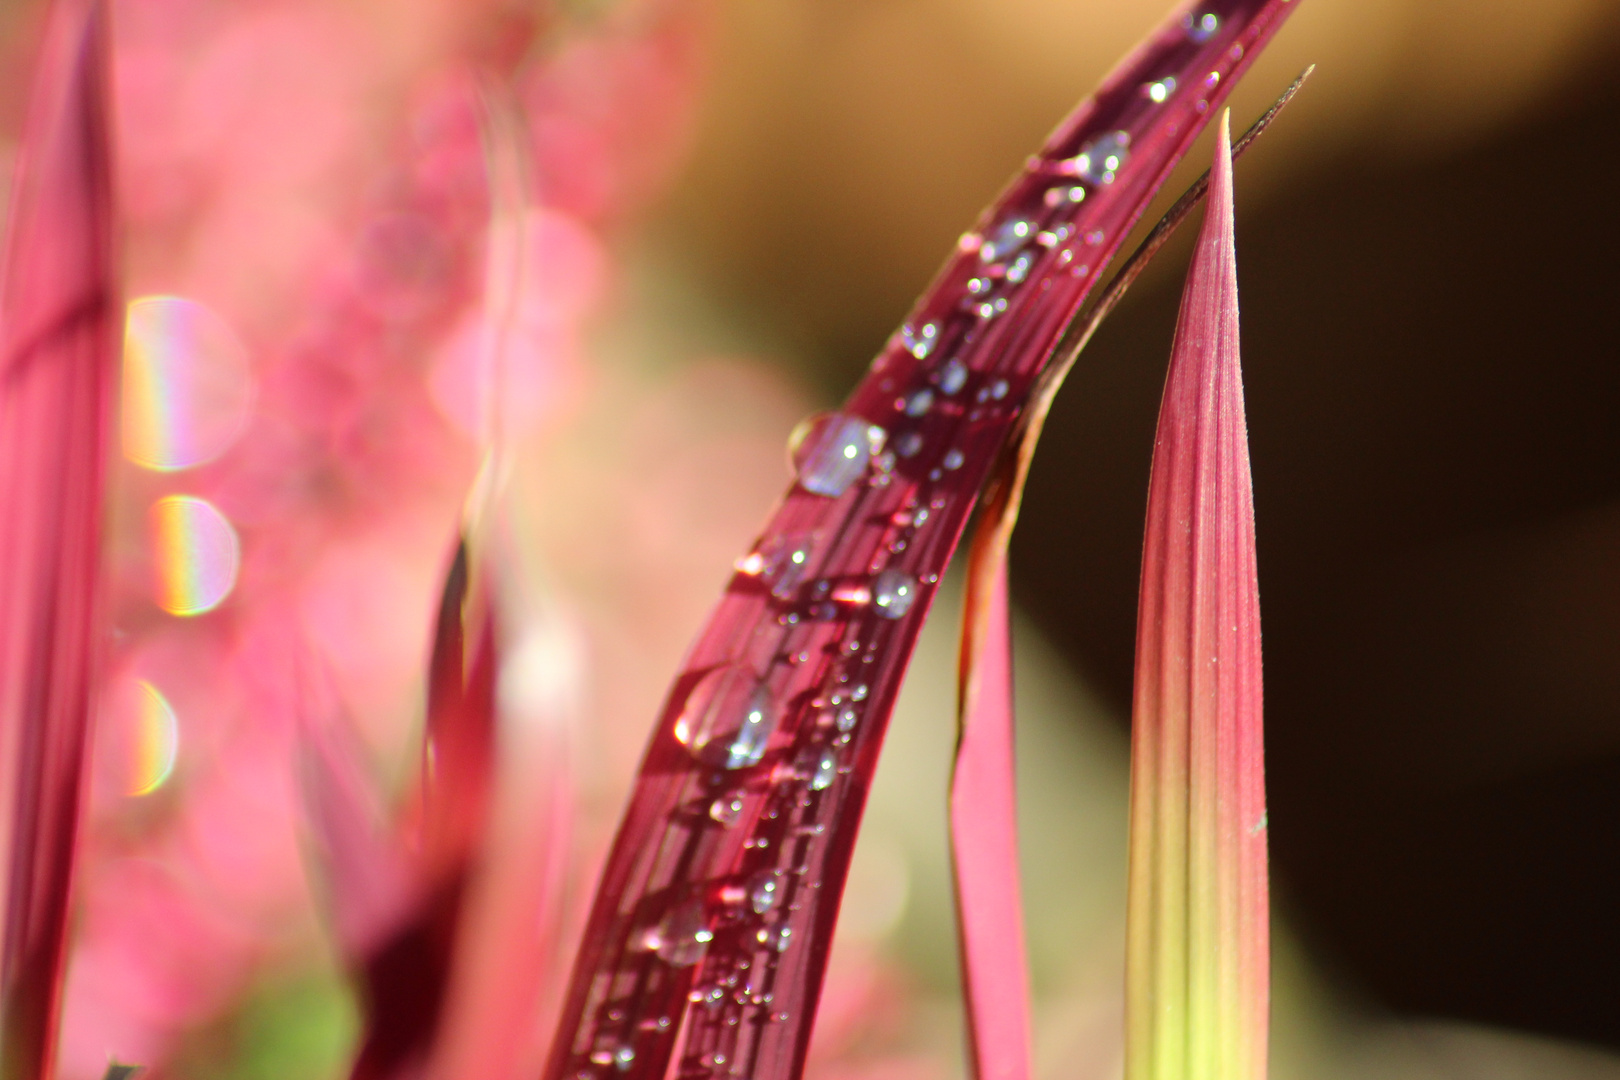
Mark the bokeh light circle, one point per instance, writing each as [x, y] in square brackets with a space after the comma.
[148, 738]
[195, 552]
[188, 385]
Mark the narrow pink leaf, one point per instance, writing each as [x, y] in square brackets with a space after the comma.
[984, 841]
[1197, 980]
[406, 976]
[983, 790]
[708, 939]
[58, 360]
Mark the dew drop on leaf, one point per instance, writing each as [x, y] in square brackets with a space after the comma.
[728, 718]
[831, 451]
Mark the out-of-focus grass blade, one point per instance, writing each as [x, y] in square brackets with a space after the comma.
[983, 793]
[1197, 949]
[406, 976]
[58, 362]
[708, 939]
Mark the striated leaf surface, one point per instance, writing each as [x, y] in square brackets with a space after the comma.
[708, 939]
[1198, 966]
[984, 837]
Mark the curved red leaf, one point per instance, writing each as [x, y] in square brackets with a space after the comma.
[708, 940]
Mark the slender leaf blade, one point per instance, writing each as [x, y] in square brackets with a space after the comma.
[58, 360]
[758, 768]
[1197, 980]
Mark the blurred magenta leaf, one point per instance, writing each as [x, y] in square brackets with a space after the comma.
[58, 361]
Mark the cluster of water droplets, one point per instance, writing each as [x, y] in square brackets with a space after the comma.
[775, 728]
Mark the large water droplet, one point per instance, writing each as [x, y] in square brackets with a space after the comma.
[908, 444]
[830, 452]
[728, 718]
[764, 891]
[1012, 235]
[893, 592]
[952, 376]
[683, 936]
[1099, 160]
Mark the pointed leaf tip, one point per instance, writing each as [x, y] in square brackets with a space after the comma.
[760, 761]
[1197, 979]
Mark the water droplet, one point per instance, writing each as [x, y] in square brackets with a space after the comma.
[1011, 236]
[821, 766]
[920, 342]
[781, 562]
[998, 389]
[917, 403]
[774, 937]
[728, 718]
[727, 809]
[979, 286]
[1201, 27]
[196, 553]
[907, 444]
[893, 592]
[952, 376]
[1067, 193]
[847, 718]
[1099, 160]
[1212, 80]
[764, 891]
[830, 451]
[1019, 270]
[953, 459]
[859, 693]
[683, 936]
[187, 384]
[623, 1058]
[1160, 90]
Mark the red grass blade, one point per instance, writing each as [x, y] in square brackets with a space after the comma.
[57, 364]
[508, 942]
[407, 976]
[708, 940]
[984, 837]
[983, 790]
[1197, 975]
